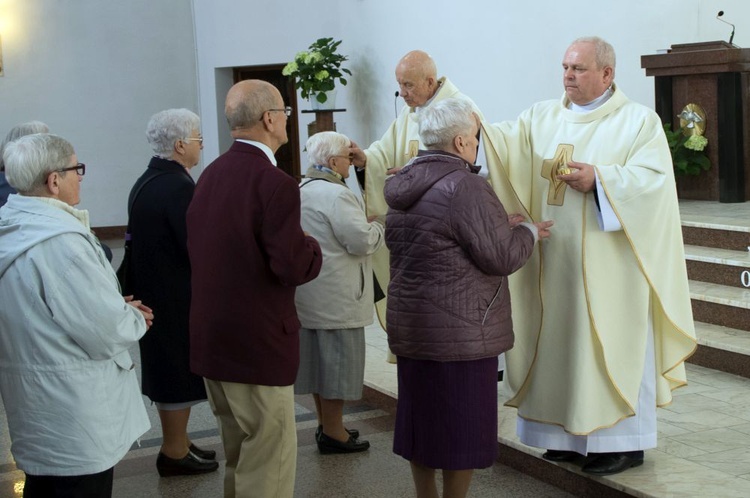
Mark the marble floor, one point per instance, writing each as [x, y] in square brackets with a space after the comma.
[715, 214]
[704, 437]
[377, 473]
[702, 451]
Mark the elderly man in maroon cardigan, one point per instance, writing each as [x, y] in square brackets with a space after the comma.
[248, 254]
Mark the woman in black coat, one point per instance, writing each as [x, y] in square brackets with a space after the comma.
[159, 274]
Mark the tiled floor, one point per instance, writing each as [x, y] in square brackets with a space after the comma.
[704, 435]
[703, 441]
[712, 214]
[704, 438]
[377, 473]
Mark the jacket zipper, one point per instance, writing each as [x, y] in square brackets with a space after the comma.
[492, 302]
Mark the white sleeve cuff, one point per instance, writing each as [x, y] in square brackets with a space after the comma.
[605, 215]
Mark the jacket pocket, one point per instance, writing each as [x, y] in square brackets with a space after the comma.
[494, 300]
[362, 280]
[124, 361]
[291, 325]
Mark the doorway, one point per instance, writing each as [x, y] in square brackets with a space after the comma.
[287, 156]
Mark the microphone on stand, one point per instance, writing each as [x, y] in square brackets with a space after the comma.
[721, 13]
[395, 100]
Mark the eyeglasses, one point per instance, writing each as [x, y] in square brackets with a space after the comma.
[287, 110]
[345, 157]
[193, 139]
[80, 169]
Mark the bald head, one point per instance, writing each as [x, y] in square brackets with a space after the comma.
[248, 100]
[418, 62]
[416, 75]
[247, 110]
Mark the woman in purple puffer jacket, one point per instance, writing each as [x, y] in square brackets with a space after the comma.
[452, 247]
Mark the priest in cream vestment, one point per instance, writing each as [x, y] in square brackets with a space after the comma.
[419, 86]
[601, 312]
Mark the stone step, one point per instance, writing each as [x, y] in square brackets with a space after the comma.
[702, 444]
[718, 266]
[722, 348]
[713, 224]
[723, 338]
[720, 304]
[719, 236]
[701, 447]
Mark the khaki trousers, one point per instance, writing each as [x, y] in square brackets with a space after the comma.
[259, 434]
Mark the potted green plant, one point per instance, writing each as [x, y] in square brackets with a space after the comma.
[688, 152]
[317, 69]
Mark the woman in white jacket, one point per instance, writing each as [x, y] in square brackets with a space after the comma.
[67, 381]
[335, 307]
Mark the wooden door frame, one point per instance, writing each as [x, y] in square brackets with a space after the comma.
[285, 85]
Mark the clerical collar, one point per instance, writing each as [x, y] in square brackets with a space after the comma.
[594, 104]
[426, 104]
[265, 148]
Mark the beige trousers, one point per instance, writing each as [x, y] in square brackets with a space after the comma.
[259, 434]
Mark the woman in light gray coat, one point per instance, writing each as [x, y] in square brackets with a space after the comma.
[15, 133]
[66, 378]
[336, 306]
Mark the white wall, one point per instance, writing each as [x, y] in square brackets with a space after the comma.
[504, 54]
[95, 71]
[234, 33]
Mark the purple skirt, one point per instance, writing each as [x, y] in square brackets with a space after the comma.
[446, 416]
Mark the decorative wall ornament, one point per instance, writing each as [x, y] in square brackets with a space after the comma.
[692, 120]
[687, 144]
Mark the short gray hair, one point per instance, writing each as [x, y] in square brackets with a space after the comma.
[442, 121]
[19, 131]
[605, 53]
[325, 144]
[30, 159]
[166, 127]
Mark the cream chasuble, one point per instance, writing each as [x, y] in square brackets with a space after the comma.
[398, 146]
[581, 305]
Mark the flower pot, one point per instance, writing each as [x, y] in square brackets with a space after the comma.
[329, 104]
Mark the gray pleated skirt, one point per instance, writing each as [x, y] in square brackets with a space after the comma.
[332, 363]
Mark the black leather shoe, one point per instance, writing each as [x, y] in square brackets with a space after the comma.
[561, 456]
[352, 432]
[328, 445]
[185, 466]
[608, 464]
[201, 453]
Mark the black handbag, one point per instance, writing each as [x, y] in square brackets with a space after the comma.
[123, 271]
